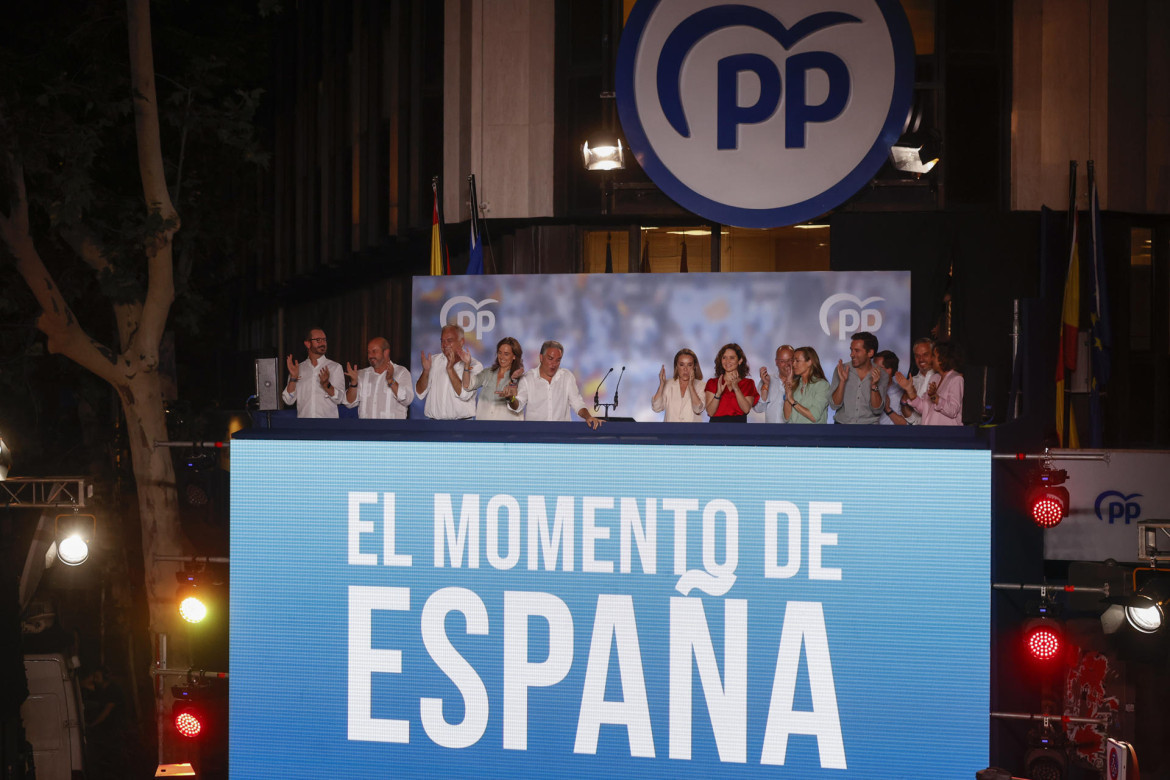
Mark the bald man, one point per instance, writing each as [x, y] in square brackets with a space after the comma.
[771, 401]
[382, 391]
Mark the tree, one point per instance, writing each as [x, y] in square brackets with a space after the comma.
[60, 132]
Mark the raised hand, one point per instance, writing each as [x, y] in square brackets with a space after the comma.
[903, 381]
[517, 374]
[323, 377]
[465, 356]
[932, 392]
[875, 376]
[765, 380]
[662, 376]
[294, 368]
[426, 362]
[842, 370]
[351, 372]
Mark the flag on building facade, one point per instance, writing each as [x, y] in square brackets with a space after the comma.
[1100, 332]
[438, 266]
[475, 257]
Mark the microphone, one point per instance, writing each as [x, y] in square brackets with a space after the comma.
[619, 387]
[596, 398]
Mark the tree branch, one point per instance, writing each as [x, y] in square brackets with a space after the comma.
[65, 334]
[160, 291]
[127, 315]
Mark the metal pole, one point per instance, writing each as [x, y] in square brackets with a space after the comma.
[191, 559]
[160, 663]
[1102, 721]
[1100, 456]
[193, 673]
[1048, 588]
[207, 444]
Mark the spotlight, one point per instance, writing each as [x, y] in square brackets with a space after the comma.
[1043, 639]
[916, 153]
[1047, 501]
[186, 713]
[605, 157]
[5, 459]
[73, 537]
[1146, 609]
[1046, 758]
[192, 606]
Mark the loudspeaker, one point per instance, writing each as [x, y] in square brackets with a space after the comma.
[266, 392]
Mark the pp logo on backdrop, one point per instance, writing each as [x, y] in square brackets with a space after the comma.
[1118, 506]
[764, 112]
[469, 314]
[850, 319]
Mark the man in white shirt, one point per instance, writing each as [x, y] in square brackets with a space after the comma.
[382, 391]
[771, 400]
[322, 380]
[549, 393]
[923, 350]
[446, 399]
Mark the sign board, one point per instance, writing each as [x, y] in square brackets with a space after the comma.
[764, 112]
[1107, 498]
[486, 610]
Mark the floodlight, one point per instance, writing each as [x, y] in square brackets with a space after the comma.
[606, 156]
[73, 537]
[5, 459]
[1146, 609]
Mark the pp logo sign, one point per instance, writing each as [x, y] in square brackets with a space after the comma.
[1118, 506]
[469, 314]
[850, 319]
[764, 112]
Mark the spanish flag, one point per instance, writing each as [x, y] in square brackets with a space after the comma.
[438, 266]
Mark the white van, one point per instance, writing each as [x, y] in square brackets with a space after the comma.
[52, 717]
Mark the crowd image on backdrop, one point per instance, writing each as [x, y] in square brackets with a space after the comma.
[865, 387]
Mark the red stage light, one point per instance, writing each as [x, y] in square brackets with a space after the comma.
[1048, 510]
[1047, 501]
[1043, 640]
[187, 723]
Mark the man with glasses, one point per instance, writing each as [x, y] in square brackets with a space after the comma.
[316, 383]
[771, 401]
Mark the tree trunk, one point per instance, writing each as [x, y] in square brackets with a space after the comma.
[158, 511]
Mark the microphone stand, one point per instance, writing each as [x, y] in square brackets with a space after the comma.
[617, 388]
[596, 394]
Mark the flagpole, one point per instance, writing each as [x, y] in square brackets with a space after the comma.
[1066, 401]
[437, 188]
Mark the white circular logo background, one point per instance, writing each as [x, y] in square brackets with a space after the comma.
[767, 112]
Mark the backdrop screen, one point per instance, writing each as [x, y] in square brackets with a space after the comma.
[441, 609]
[639, 321]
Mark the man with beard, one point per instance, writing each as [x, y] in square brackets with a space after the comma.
[381, 391]
[320, 380]
[859, 389]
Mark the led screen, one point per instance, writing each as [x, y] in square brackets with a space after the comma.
[637, 322]
[437, 609]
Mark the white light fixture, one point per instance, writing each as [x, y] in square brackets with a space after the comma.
[606, 157]
[915, 153]
[74, 534]
[73, 550]
[5, 459]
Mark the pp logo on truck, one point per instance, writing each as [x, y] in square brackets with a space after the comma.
[767, 112]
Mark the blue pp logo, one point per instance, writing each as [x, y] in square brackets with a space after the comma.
[1118, 506]
[767, 112]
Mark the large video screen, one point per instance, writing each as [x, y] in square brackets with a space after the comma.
[633, 324]
[435, 609]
